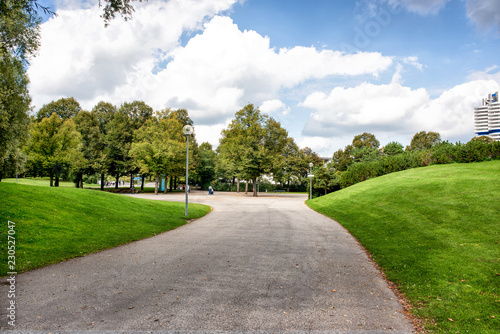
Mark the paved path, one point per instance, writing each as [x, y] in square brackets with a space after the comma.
[267, 263]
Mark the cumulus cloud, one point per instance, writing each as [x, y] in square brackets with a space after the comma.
[395, 111]
[79, 57]
[274, 106]
[213, 75]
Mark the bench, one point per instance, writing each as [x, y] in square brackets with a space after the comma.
[279, 191]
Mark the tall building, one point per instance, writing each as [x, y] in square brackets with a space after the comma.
[487, 118]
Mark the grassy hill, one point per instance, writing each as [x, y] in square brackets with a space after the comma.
[435, 232]
[55, 224]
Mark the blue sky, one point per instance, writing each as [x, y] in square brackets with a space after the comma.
[327, 70]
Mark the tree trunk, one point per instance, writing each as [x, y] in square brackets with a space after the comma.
[56, 184]
[246, 187]
[51, 179]
[167, 185]
[117, 180]
[131, 180]
[102, 181]
[238, 185]
[170, 183]
[142, 182]
[157, 183]
[254, 183]
[81, 180]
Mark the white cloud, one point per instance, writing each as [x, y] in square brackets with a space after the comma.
[324, 147]
[79, 57]
[274, 106]
[395, 112]
[217, 72]
[413, 61]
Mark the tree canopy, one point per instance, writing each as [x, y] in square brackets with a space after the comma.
[251, 143]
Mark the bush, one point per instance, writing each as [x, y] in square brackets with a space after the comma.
[444, 153]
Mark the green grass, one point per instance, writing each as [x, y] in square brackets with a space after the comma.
[55, 224]
[435, 232]
[41, 181]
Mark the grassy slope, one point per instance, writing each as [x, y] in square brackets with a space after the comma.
[435, 231]
[54, 224]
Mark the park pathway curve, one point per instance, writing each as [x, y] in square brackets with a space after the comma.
[264, 264]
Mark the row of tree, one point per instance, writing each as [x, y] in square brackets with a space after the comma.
[66, 141]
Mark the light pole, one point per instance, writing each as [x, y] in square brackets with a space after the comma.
[187, 130]
[310, 181]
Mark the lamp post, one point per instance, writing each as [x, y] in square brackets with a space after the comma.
[187, 130]
[310, 180]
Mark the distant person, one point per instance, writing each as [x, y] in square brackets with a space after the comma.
[210, 190]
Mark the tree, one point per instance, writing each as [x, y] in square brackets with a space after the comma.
[19, 29]
[325, 179]
[87, 124]
[14, 107]
[54, 146]
[132, 115]
[365, 140]
[365, 147]
[484, 139]
[104, 112]
[291, 166]
[393, 148]
[176, 167]
[122, 7]
[65, 108]
[424, 140]
[252, 140]
[205, 170]
[154, 148]
[19, 40]
[119, 135]
[342, 159]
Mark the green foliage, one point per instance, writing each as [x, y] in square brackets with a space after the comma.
[393, 148]
[65, 108]
[14, 107]
[365, 140]
[157, 147]
[105, 112]
[19, 29]
[250, 145]
[205, 169]
[54, 146]
[325, 179]
[112, 7]
[434, 232]
[424, 140]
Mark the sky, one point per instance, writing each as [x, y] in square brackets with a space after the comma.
[327, 70]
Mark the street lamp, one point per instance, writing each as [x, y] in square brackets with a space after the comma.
[187, 130]
[310, 180]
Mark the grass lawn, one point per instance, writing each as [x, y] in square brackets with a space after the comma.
[435, 232]
[55, 224]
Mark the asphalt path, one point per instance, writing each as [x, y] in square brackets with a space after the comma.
[265, 264]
